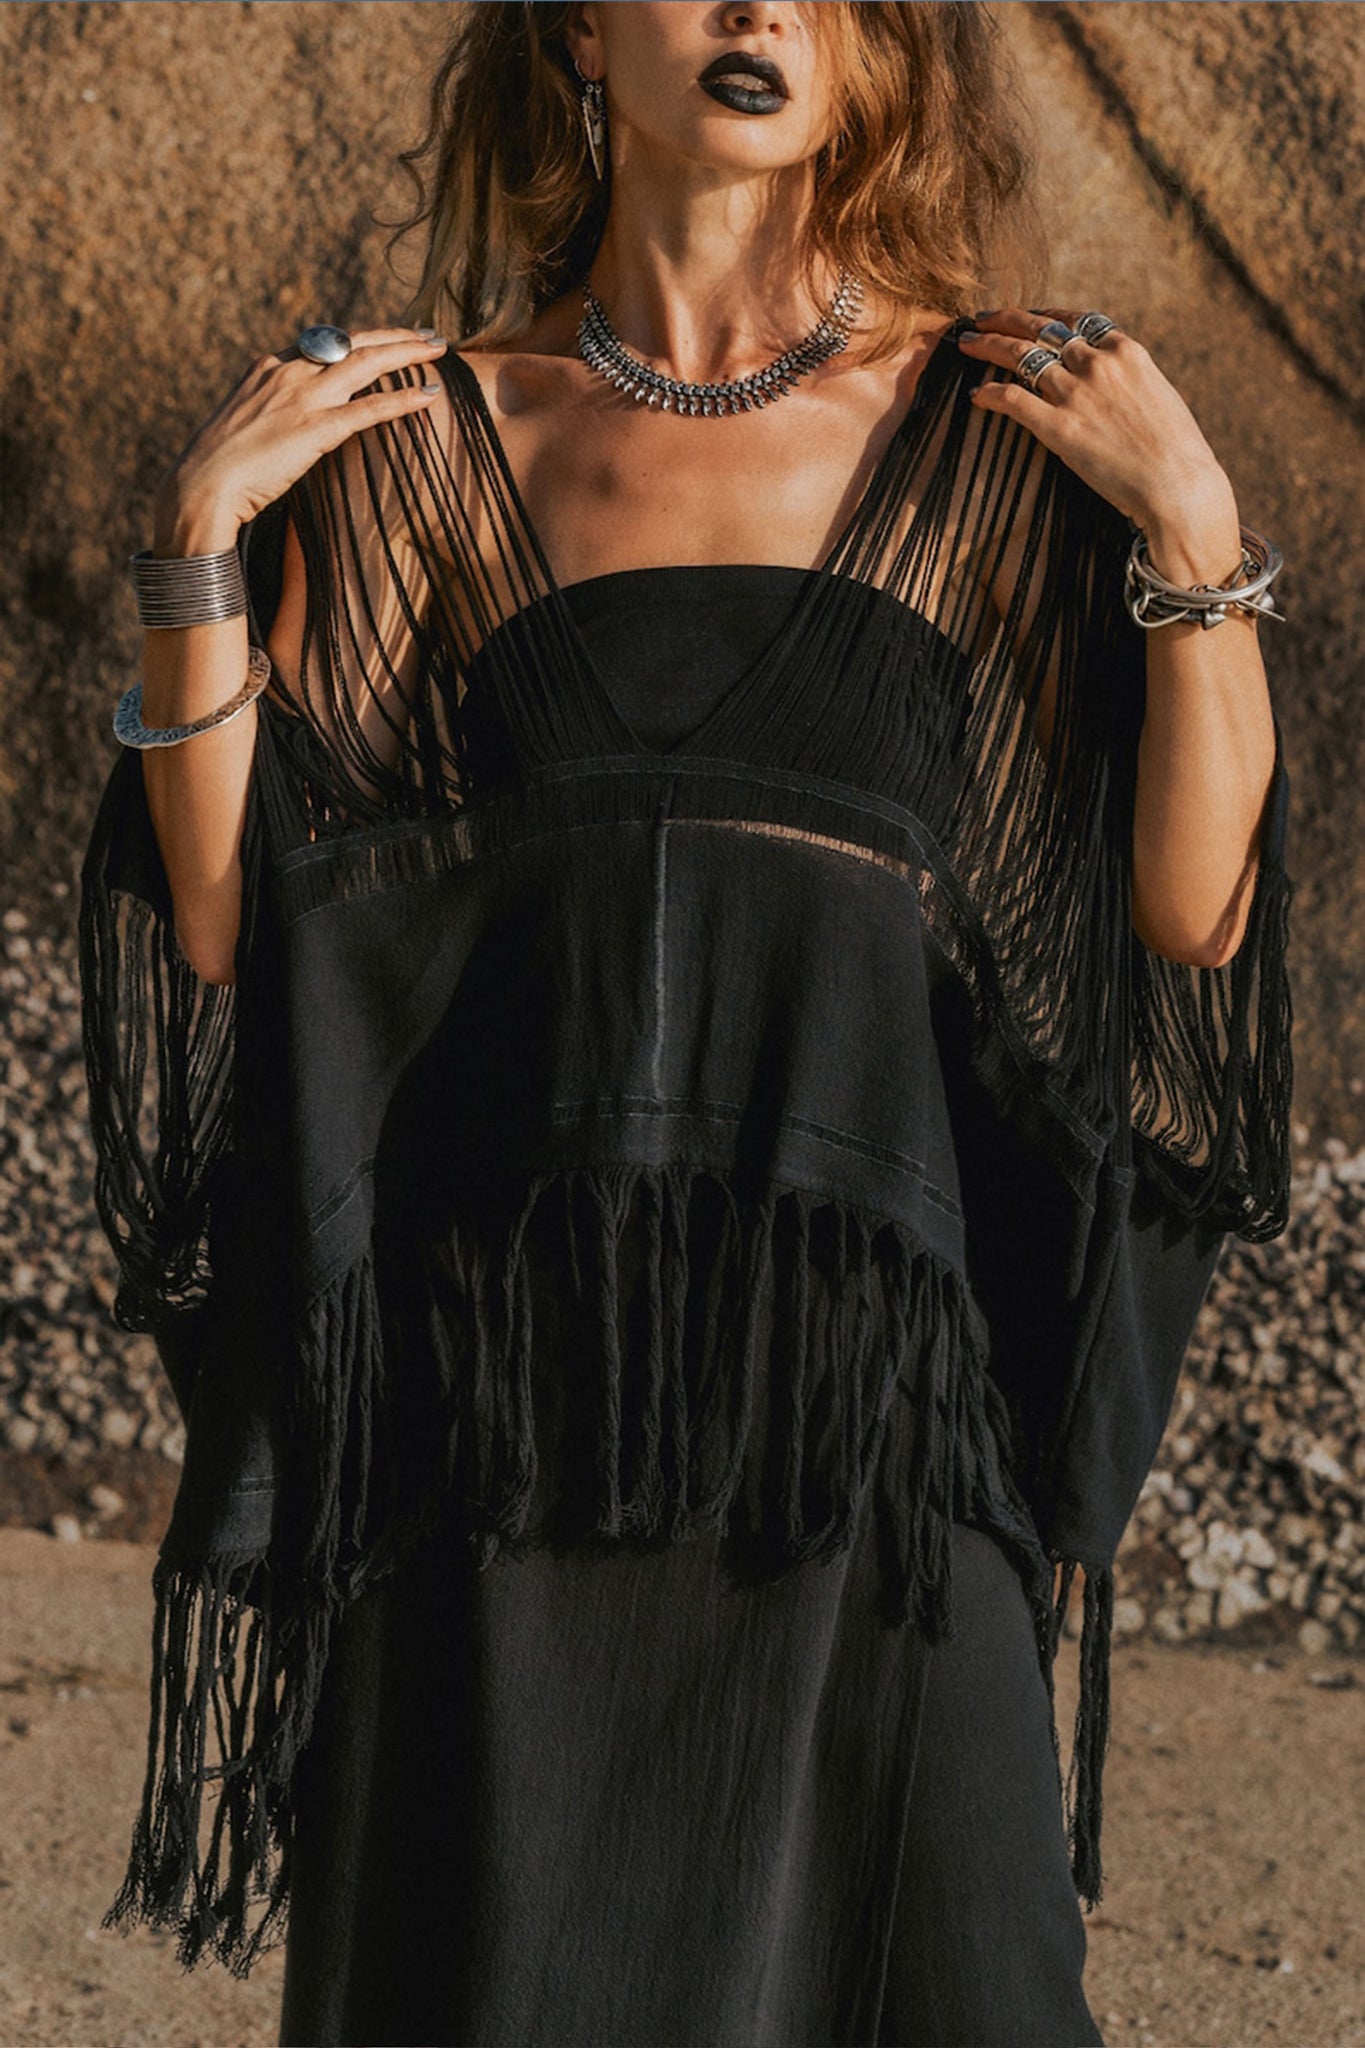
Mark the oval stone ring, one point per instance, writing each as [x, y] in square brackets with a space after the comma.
[324, 344]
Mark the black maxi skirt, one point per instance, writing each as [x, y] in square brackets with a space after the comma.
[621, 1797]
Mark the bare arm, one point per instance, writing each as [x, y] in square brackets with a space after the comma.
[1205, 752]
[279, 419]
[1205, 756]
[196, 793]
[1206, 749]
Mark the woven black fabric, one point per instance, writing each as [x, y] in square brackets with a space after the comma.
[815, 1050]
[770, 1822]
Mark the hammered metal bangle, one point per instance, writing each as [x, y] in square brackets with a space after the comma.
[187, 590]
[1153, 601]
[131, 732]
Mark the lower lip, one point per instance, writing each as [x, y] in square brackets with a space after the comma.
[742, 100]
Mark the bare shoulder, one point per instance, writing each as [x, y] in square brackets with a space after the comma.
[536, 369]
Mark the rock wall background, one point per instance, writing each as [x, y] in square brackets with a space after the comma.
[183, 186]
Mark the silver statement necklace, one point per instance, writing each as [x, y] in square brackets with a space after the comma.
[601, 346]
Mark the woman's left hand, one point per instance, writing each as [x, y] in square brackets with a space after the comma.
[1108, 412]
[1207, 746]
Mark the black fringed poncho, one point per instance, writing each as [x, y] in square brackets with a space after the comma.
[834, 1012]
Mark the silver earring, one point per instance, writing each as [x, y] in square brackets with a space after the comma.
[593, 101]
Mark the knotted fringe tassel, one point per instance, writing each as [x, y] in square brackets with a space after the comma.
[213, 1653]
[1084, 1795]
[240, 1647]
[751, 1386]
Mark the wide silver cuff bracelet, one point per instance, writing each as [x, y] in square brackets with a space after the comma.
[187, 590]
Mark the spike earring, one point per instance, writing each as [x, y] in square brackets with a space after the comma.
[594, 104]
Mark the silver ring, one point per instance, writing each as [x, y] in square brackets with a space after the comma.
[324, 344]
[1057, 332]
[1091, 326]
[1032, 364]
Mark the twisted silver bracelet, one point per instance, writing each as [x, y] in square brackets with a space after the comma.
[131, 732]
[187, 590]
[1154, 601]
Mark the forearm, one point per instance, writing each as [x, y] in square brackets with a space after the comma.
[196, 791]
[1206, 751]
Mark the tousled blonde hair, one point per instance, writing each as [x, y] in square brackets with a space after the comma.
[924, 189]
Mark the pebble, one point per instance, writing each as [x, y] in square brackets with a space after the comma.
[66, 1528]
[118, 1428]
[1130, 1616]
[1199, 1610]
[1208, 1572]
[1239, 1597]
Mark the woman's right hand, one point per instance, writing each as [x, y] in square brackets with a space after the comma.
[282, 414]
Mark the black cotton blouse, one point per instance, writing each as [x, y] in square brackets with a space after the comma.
[672, 641]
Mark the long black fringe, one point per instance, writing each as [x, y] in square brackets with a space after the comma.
[1084, 1790]
[802, 1402]
[216, 1652]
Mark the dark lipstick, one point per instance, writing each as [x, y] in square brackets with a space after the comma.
[727, 79]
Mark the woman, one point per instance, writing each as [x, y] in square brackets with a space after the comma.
[671, 1070]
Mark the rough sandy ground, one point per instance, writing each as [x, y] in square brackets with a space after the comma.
[1234, 1844]
[74, 1666]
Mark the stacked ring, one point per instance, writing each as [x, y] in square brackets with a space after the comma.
[1033, 362]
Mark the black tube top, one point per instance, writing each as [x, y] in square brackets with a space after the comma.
[669, 642]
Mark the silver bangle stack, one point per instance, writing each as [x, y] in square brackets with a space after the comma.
[1153, 601]
[131, 732]
[187, 590]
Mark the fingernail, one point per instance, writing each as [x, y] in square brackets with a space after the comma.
[986, 313]
[427, 333]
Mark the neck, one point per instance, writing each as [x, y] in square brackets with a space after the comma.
[702, 288]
